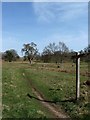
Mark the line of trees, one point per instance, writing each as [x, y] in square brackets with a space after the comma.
[53, 52]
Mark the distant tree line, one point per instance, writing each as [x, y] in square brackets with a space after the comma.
[57, 53]
[10, 55]
[85, 51]
[60, 53]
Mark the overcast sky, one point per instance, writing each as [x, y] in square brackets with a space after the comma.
[44, 22]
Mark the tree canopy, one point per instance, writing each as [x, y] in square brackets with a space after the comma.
[30, 51]
[10, 55]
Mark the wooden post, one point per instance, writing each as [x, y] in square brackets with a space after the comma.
[77, 57]
[77, 76]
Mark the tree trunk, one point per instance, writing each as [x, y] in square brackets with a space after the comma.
[30, 61]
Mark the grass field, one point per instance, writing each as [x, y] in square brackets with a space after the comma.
[54, 83]
[16, 104]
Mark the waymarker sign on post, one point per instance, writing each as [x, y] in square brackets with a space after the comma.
[77, 57]
[77, 76]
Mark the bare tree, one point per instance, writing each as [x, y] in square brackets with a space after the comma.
[50, 49]
[55, 52]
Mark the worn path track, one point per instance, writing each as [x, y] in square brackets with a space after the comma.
[57, 113]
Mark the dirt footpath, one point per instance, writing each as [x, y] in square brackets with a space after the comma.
[52, 107]
[57, 113]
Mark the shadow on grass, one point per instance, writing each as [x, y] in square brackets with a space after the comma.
[53, 101]
[85, 117]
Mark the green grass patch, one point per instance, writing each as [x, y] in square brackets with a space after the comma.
[60, 87]
[56, 86]
[16, 103]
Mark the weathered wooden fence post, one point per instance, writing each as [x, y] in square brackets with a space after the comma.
[77, 57]
[77, 76]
